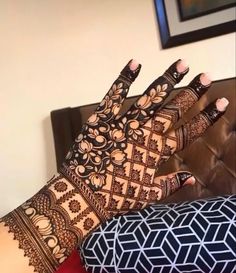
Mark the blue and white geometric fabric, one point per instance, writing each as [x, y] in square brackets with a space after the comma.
[198, 236]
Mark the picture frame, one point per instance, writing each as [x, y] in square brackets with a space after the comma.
[192, 9]
[174, 32]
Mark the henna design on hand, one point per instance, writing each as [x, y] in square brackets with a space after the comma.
[111, 168]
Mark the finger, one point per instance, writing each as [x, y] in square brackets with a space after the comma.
[181, 103]
[168, 184]
[152, 98]
[190, 131]
[112, 102]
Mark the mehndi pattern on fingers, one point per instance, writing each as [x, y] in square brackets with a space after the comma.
[182, 102]
[113, 100]
[193, 129]
[151, 100]
[172, 182]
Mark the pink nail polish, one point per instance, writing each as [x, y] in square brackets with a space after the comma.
[191, 181]
[221, 104]
[205, 79]
[182, 66]
[133, 65]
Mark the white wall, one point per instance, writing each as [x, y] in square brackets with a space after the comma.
[56, 53]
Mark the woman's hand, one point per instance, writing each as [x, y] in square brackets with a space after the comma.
[112, 166]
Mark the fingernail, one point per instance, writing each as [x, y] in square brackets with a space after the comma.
[221, 104]
[182, 66]
[131, 70]
[134, 64]
[200, 84]
[215, 109]
[205, 79]
[185, 178]
[190, 181]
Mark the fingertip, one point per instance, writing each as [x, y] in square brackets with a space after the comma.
[134, 64]
[131, 70]
[206, 79]
[185, 177]
[215, 109]
[221, 104]
[190, 181]
[182, 66]
[176, 71]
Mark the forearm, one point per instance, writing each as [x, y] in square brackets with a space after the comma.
[12, 258]
[50, 225]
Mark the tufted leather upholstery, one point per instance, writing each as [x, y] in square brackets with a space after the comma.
[211, 159]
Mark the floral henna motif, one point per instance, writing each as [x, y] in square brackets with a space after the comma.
[88, 223]
[153, 196]
[146, 103]
[103, 139]
[158, 126]
[60, 186]
[147, 179]
[110, 169]
[138, 156]
[53, 223]
[181, 103]
[135, 175]
[150, 101]
[143, 195]
[153, 145]
[74, 206]
[141, 140]
[131, 191]
[136, 161]
[118, 187]
[151, 162]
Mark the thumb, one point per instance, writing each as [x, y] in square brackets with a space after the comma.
[172, 182]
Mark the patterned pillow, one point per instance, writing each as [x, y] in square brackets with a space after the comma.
[198, 236]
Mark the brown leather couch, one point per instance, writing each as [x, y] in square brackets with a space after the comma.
[211, 159]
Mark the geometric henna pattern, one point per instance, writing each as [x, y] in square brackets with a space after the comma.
[103, 139]
[182, 102]
[121, 154]
[110, 169]
[198, 236]
[55, 221]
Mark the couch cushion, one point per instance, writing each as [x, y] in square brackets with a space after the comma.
[197, 236]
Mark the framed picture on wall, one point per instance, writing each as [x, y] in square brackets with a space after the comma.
[180, 23]
[195, 8]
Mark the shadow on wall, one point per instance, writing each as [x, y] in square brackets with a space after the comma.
[50, 159]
